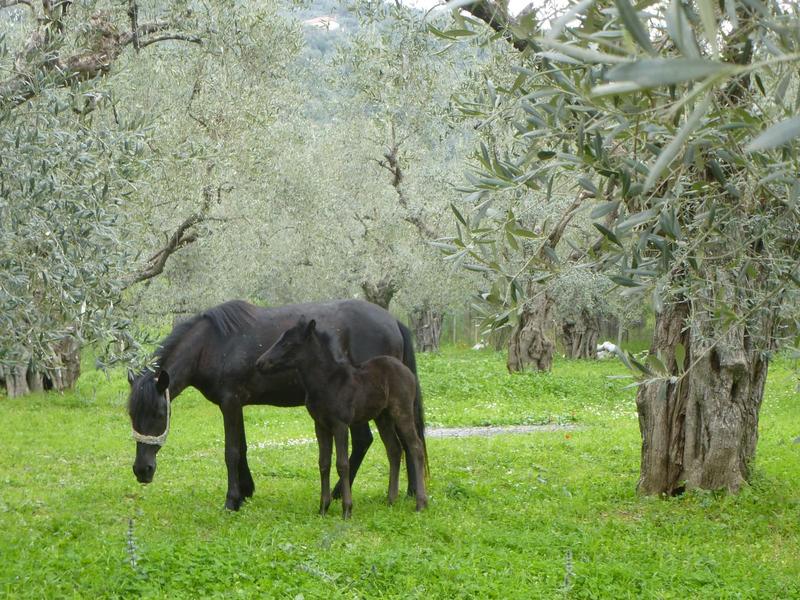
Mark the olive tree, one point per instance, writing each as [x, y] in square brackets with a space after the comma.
[66, 173]
[83, 212]
[392, 72]
[334, 205]
[677, 125]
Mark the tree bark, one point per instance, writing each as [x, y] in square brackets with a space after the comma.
[530, 346]
[427, 326]
[23, 378]
[699, 430]
[581, 335]
[63, 375]
[16, 381]
[380, 292]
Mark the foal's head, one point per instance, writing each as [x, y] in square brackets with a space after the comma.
[289, 349]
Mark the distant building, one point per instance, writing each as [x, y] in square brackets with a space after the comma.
[327, 23]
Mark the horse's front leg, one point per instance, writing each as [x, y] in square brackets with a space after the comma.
[234, 439]
[340, 438]
[325, 443]
[362, 439]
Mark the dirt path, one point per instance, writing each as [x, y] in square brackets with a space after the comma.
[440, 432]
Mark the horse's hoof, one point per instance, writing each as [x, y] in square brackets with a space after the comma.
[233, 503]
[337, 491]
[248, 491]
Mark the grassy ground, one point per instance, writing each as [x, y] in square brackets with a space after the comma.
[514, 516]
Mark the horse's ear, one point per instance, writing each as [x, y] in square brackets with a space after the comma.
[162, 383]
[312, 325]
[131, 377]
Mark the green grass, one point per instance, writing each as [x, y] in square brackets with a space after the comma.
[514, 516]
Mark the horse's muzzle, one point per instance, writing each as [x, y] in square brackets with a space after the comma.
[144, 473]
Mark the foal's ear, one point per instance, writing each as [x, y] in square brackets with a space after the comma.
[162, 383]
[312, 325]
[131, 377]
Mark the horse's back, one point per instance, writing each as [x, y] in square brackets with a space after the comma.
[362, 330]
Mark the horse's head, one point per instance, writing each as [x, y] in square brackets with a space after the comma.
[284, 353]
[149, 409]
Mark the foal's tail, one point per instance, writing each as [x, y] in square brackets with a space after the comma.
[410, 361]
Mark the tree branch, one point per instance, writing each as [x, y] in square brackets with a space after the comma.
[179, 239]
[107, 47]
[558, 231]
[496, 16]
[391, 163]
[174, 36]
[133, 15]
[182, 237]
[10, 3]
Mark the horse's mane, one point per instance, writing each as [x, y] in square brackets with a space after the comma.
[230, 317]
[227, 318]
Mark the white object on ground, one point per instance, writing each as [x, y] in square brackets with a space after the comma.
[606, 350]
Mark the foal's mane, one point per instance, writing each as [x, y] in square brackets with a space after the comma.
[231, 317]
[332, 346]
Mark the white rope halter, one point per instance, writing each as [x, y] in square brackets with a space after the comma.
[154, 440]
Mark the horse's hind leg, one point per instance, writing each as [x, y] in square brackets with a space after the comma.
[246, 485]
[325, 443]
[393, 450]
[415, 453]
[412, 476]
[340, 438]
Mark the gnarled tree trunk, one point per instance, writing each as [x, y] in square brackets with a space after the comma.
[530, 346]
[380, 292]
[15, 380]
[426, 324]
[581, 335]
[700, 430]
[64, 374]
[24, 377]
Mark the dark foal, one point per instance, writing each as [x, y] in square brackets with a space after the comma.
[339, 395]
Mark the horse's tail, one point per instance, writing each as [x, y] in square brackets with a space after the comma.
[409, 359]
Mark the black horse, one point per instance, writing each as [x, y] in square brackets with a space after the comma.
[216, 353]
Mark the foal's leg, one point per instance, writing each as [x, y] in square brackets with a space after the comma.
[393, 450]
[340, 437]
[412, 476]
[361, 438]
[325, 443]
[408, 434]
